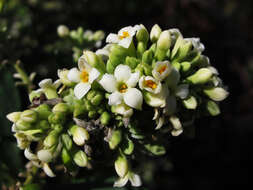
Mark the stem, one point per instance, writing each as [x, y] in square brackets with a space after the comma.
[30, 175]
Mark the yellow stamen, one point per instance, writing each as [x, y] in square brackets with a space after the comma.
[162, 69]
[84, 76]
[150, 84]
[124, 35]
[123, 88]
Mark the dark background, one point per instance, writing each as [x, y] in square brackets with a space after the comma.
[221, 154]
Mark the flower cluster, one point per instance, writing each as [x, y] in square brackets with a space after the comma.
[140, 90]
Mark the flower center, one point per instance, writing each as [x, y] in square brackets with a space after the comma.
[150, 84]
[124, 35]
[123, 88]
[162, 69]
[84, 76]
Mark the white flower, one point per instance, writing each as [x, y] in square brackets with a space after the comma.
[196, 44]
[150, 84]
[84, 76]
[132, 177]
[121, 86]
[48, 83]
[124, 36]
[161, 70]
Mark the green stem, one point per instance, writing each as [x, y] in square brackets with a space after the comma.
[31, 175]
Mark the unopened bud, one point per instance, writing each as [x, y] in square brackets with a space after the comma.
[216, 94]
[63, 76]
[98, 35]
[61, 107]
[94, 61]
[105, 118]
[43, 111]
[80, 135]
[115, 139]
[142, 35]
[29, 116]
[14, 116]
[52, 139]
[185, 66]
[81, 159]
[67, 141]
[212, 108]
[147, 57]
[155, 33]
[121, 165]
[45, 155]
[202, 76]
[164, 41]
[63, 31]
[57, 118]
[132, 62]
[22, 125]
[190, 103]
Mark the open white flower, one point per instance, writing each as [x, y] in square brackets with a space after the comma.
[134, 179]
[121, 85]
[150, 84]
[161, 70]
[124, 36]
[84, 76]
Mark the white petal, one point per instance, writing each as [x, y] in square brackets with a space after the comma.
[157, 100]
[121, 182]
[112, 38]
[175, 122]
[160, 76]
[115, 98]
[156, 114]
[133, 80]
[142, 84]
[93, 75]
[124, 110]
[196, 44]
[45, 155]
[48, 170]
[45, 83]
[125, 42]
[74, 75]
[214, 70]
[131, 31]
[57, 83]
[108, 82]
[176, 133]
[83, 64]
[81, 89]
[122, 72]
[29, 155]
[182, 91]
[135, 180]
[159, 123]
[133, 98]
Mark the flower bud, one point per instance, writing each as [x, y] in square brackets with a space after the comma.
[121, 165]
[164, 41]
[132, 62]
[14, 116]
[128, 146]
[155, 149]
[96, 100]
[216, 94]
[147, 57]
[202, 76]
[185, 66]
[98, 35]
[52, 139]
[57, 118]
[212, 108]
[61, 107]
[45, 155]
[92, 114]
[67, 141]
[62, 31]
[63, 76]
[67, 160]
[155, 33]
[105, 118]
[80, 159]
[115, 139]
[190, 103]
[43, 124]
[142, 35]
[80, 135]
[43, 111]
[94, 61]
[22, 125]
[184, 49]
[29, 116]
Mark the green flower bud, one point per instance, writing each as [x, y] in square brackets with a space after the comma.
[147, 57]
[80, 159]
[52, 139]
[202, 76]
[178, 44]
[67, 159]
[67, 141]
[94, 61]
[34, 94]
[155, 33]
[97, 99]
[142, 35]
[91, 94]
[141, 47]
[62, 31]
[43, 124]
[22, 125]
[155, 149]
[105, 118]
[45, 155]
[79, 109]
[127, 146]
[80, 135]
[190, 103]
[185, 66]
[63, 76]
[115, 139]
[43, 111]
[29, 116]
[14, 116]
[92, 114]
[57, 118]
[184, 50]
[132, 62]
[164, 41]
[176, 65]
[61, 107]
[98, 35]
[212, 108]
[121, 165]
[216, 93]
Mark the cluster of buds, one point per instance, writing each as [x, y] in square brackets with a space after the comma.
[159, 78]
